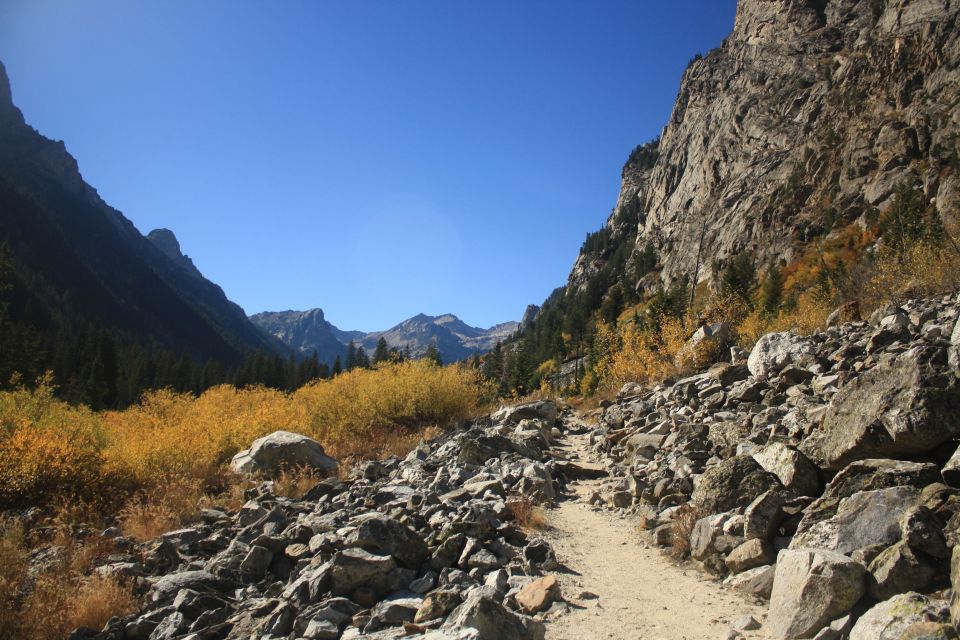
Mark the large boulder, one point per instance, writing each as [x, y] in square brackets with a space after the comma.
[351, 569]
[954, 354]
[877, 473]
[492, 620]
[733, 483]
[811, 587]
[898, 569]
[775, 351]
[706, 345]
[891, 618]
[904, 406]
[538, 595]
[955, 584]
[283, 450]
[861, 520]
[538, 409]
[380, 533]
[795, 470]
[866, 475]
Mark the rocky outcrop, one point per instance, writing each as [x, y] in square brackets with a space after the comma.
[306, 332]
[908, 404]
[807, 117]
[167, 242]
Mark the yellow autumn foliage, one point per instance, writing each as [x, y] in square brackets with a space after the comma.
[47, 447]
[50, 450]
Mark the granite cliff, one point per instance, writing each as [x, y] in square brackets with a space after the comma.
[806, 119]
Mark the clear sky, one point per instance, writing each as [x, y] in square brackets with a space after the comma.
[377, 159]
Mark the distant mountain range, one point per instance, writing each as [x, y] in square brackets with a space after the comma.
[309, 331]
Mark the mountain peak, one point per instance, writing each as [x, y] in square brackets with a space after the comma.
[6, 96]
[9, 113]
[167, 242]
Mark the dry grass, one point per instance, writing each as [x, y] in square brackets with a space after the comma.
[97, 600]
[925, 270]
[294, 483]
[162, 509]
[809, 315]
[13, 571]
[528, 515]
[684, 519]
[62, 596]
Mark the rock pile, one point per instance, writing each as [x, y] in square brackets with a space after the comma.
[821, 472]
[428, 544]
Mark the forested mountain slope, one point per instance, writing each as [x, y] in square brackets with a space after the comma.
[81, 284]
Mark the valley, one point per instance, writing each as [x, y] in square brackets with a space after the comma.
[736, 418]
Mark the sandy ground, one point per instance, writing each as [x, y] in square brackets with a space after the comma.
[640, 592]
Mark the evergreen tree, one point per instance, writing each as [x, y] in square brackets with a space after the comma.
[382, 352]
[433, 354]
[337, 367]
[771, 292]
[909, 221]
[521, 368]
[351, 356]
[492, 368]
[612, 304]
[739, 278]
[362, 359]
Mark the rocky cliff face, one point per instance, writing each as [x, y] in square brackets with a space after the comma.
[807, 117]
[167, 242]
[306, 332]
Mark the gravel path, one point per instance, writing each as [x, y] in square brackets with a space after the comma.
[640, 593]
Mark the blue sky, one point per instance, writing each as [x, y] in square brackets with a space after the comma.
[377, 159]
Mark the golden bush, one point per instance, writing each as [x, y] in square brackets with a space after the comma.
[173, 445]
[47, 447]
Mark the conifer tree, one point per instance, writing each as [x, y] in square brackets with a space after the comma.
[382, 351]
[740, 277]
[351, 356]
[433, 354]
[361, 359]
[771, 292]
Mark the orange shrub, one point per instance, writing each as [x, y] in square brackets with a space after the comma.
[47, 447]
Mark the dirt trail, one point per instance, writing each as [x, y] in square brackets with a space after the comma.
[641, 593]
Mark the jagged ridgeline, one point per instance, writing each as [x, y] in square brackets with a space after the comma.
[785, 155]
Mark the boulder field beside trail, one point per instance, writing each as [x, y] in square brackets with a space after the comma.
[427, 545]
[819, 473]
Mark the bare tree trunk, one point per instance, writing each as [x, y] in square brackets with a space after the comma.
[696, 269]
